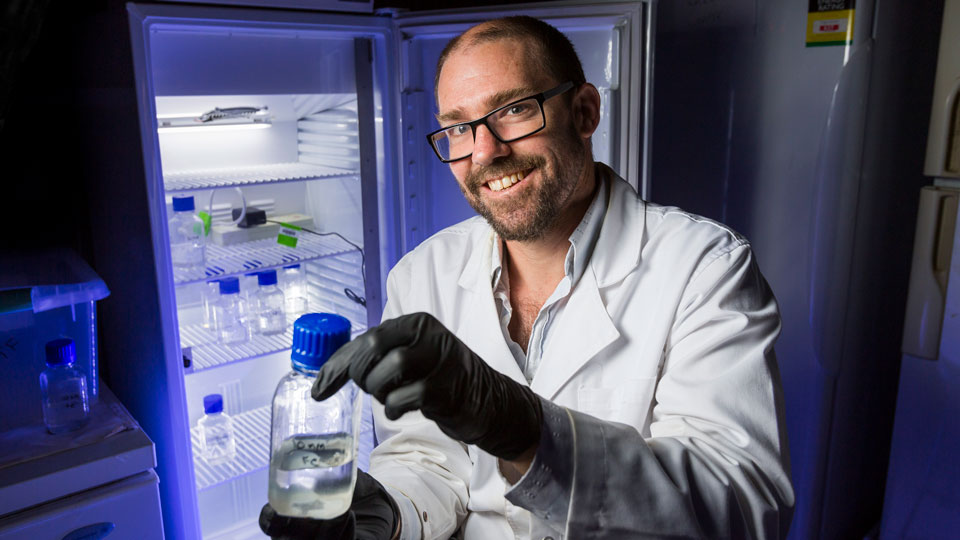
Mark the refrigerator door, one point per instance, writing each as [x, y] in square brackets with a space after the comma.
[614, 43]
[128, 508]
[921, 493]
[811, 153]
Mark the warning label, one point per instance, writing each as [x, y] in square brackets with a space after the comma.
[830, 22]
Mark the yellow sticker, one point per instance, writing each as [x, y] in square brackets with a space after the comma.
[830, 22]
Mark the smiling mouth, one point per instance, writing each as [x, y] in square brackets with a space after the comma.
[507, 181]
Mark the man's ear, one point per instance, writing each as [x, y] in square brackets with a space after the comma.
[586, 109]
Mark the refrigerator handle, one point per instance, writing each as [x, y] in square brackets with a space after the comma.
[837, 181]
[932, 249]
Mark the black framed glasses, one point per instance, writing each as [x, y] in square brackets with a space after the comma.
[515, 120]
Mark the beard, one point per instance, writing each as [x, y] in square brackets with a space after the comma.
[528, 216]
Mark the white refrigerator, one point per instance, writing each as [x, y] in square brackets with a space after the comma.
[922, 500]
[813, 148]
[332, 137]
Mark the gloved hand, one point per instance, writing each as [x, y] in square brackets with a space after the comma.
[373, 515]
[414, 362]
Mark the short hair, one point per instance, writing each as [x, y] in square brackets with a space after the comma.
[555, 51]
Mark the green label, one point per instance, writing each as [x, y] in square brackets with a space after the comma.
[288, 235]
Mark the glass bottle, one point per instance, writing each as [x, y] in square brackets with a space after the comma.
[313, 444]
[294, 286]
[63, 388]
[271, 318]
[230, 327]
[187, 239]
[217, 442]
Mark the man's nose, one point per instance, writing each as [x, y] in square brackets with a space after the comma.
[486, 147]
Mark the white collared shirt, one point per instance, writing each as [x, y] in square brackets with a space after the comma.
[582, 241]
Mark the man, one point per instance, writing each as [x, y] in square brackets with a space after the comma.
[577, 363]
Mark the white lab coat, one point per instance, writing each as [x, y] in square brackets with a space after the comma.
[666, 415]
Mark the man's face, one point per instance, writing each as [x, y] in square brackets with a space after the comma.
[544, 169]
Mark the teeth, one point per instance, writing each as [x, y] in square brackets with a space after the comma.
[506, 181]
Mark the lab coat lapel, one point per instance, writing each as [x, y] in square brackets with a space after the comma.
[480, 329]
[584, 329]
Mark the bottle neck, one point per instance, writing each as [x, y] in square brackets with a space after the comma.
[60, 366]
[305, 371]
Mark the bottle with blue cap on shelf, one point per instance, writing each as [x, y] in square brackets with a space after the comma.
[217, 442]
[313, 444]
[63, 388]
[187, 238]
[271, 316]
[230, 327]
[294, 285]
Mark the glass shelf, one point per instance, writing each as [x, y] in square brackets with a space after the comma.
[193, 179]
[239, 259]
[252, 432]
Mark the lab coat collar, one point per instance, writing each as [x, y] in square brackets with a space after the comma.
[615, 254]
[588, 325]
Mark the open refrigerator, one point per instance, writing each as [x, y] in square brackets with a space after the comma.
[337, 107]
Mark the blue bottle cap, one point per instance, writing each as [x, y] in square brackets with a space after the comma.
[291, 266]
[183, 204]
[61, 352]
[316, 336]
[213, 403]
[230, 285]
[267, 277]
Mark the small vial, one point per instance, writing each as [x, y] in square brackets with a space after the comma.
[270, 305]
[294, 285]
[230, 327]
[217, 442]
[187, 239]
[63, 388]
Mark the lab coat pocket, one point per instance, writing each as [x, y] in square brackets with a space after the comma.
[595, 401]
[627, 403]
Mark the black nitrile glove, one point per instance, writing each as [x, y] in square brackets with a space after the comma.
[414, 362]
[373, 515]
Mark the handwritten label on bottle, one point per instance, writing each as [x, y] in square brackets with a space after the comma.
[315, 451]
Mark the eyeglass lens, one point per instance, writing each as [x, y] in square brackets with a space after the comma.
[510, 123]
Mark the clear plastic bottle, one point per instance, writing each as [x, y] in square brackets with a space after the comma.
[217, 442]
[271, 317]
[230, 327]
[209, 294]
[294, 285]
[63, 388]
[187, 239]
[249, 285]
[313, 444]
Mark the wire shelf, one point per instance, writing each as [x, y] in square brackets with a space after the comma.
[192, 179]
[207, 352]
[238, 259]
[251, 430]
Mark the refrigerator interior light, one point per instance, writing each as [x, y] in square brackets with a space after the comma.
[216, 119]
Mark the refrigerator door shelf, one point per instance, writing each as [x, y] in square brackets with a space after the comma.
[123, 451]
[128, 508]
[242, 176]
[239, 259]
